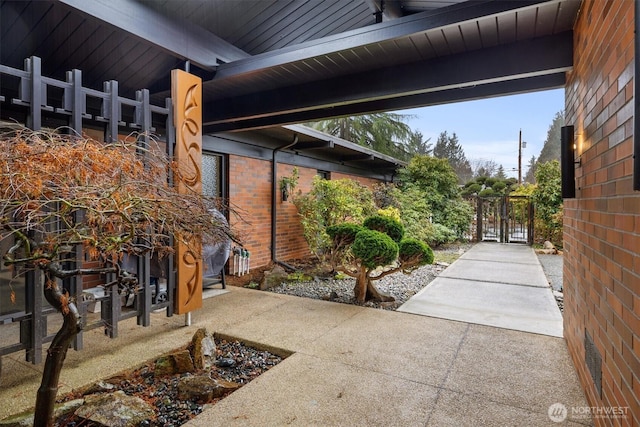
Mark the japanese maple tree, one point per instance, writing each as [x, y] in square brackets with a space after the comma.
[60, 192]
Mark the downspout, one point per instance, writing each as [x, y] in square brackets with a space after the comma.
[274, 197]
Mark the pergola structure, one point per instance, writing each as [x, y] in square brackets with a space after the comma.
[267, 63]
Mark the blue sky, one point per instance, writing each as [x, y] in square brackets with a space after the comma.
[488, 129]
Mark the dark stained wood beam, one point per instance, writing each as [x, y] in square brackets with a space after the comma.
[180, 38]
[515, 62]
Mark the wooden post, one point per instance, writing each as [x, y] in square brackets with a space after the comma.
[186, 93]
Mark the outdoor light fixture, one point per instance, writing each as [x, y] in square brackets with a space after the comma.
[568, 162]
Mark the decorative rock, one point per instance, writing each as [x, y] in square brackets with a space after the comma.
[175, 363]
[201, 388]
[272, 278]
[164, 366]
[26, 419]
[202, 349]
[115, 409]
[183, 362]
[548, 248]
[331, 297]
[99, 387]
[226, 362]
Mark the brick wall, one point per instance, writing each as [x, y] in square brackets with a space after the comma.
[250, 194]
[602, 224]
[290, 240]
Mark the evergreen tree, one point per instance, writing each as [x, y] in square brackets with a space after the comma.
[501, 173]
[418, 146]
[551, 149]
[386, 133]
[448, 147]
[530, 176]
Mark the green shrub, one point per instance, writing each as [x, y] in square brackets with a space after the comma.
[345, 232]
[331, 202]
[374, 248]
[474, 188]
[386, 225]
[487, 192]
[547, 197]
[390, 212]
[499, 186]
[410, 248]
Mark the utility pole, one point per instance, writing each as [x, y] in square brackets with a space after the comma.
[520, 158]
[521, 144]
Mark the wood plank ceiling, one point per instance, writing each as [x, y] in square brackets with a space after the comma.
[269, 63]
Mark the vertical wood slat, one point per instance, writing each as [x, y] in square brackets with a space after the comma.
[34, 66]
[34, 328]
[111, 110]
[74, 100]
[143, 119]
[171, 140]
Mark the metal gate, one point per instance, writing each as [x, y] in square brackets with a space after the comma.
[505, 219]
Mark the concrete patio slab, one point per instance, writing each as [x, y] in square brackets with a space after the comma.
[522, 308]
[295, 323]
[305, 390]
[523, 274]
[455, 409]
[500, 285]
[501, 252]
[520, 370]
[348, 366]
[410, 347]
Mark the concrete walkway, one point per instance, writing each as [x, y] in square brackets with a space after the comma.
[501, 285]
[349, 366]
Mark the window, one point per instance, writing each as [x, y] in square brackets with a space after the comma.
[324, 174]
[213, 176]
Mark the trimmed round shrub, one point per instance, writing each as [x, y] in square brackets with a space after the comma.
[413, 248]
[374, 248]
[345, 232]
[474, 188]
[386, 225]
[499, 186]
[487, 192]
[490, 181]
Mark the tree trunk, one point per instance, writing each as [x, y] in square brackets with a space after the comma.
[46, 396]
[360, 289]
[364, 289]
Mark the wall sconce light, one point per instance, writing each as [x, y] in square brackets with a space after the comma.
[568, 162]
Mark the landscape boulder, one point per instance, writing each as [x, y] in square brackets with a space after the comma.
[202, 388]
[115, 409]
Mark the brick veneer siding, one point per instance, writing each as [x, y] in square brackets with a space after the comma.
[602, 224]
[250, 194]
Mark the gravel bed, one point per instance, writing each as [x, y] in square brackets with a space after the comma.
[398, 285]
[248, 364]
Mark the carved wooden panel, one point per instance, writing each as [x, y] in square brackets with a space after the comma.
[186, 93]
